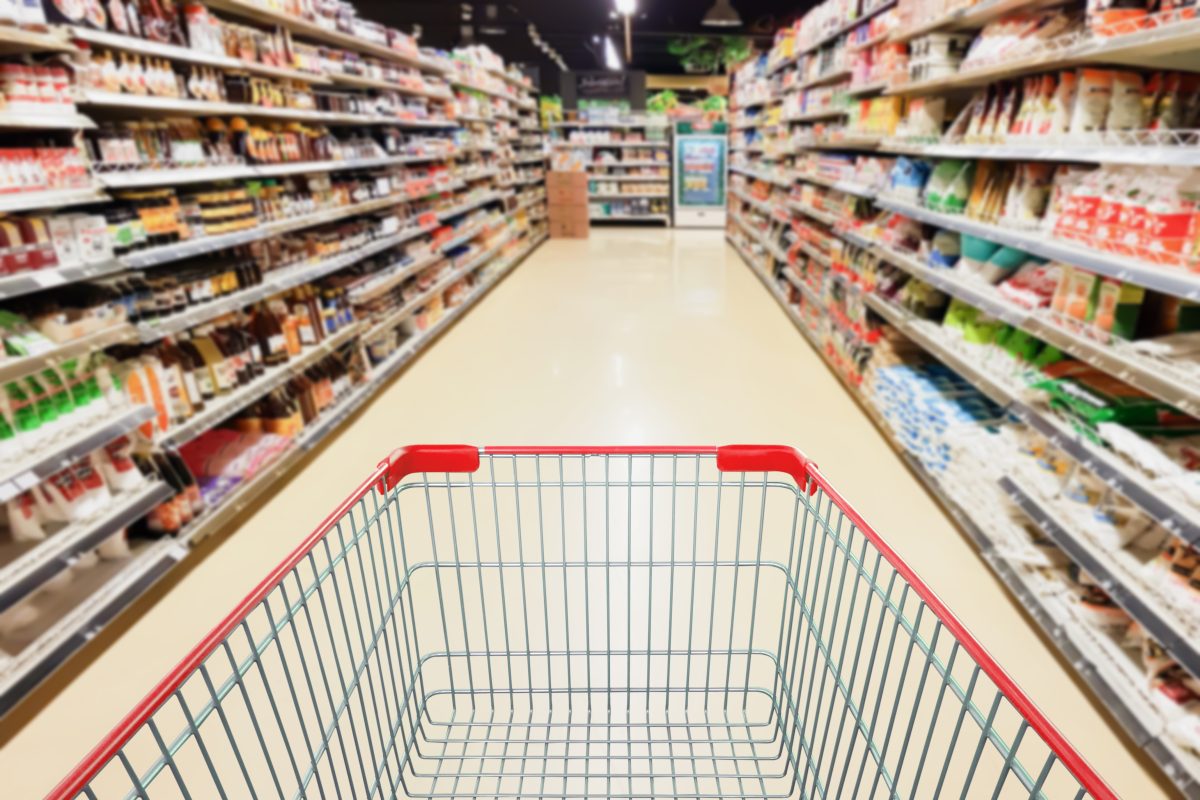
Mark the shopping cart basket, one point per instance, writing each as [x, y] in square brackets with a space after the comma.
[620, 623]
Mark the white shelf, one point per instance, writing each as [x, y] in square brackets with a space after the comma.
[1174, 281]
[1149, 375]
[51, 198]
[621, 164]
[303, 28]
[594, 145]
[813, 116]
[273, 283]
[28, 565]
[133, 44]
[639, 196]
[31, 281]
[363, 82]
[180, 105]
[12, 367]
[60, 452]
[599, 217]
[67, 120]
[205, 174]
[227, 405]
[631, 178]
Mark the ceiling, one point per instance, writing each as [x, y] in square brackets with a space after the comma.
[572, 26]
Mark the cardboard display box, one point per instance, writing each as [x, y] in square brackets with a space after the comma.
[569, 228]
[566, 189]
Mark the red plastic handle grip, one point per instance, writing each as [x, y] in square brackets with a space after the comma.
[427, 458]
[465, 458]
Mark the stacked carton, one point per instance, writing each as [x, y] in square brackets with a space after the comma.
[567, 195]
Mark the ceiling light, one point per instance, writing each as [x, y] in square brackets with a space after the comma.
[611, 59]
[626, 7]
[722, 15]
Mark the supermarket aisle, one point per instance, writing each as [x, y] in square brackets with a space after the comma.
[634, 336]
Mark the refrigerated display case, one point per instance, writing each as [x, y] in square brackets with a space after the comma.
[700, 162]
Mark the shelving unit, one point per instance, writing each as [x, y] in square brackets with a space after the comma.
[609, 162]
[814, 237]
[475, 116]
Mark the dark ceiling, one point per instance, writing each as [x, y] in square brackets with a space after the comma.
[570, 27]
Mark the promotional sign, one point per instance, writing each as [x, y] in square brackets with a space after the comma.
[700, 175]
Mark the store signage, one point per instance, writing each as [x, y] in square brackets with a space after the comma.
[603, 86]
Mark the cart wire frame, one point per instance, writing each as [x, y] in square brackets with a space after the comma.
[490, 623]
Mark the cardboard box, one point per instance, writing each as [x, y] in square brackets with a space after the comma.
[576, 181]
[566, 198]
[569, 229]
[573, 214]
[566, 189]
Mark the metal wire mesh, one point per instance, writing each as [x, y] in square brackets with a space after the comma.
[589, 626]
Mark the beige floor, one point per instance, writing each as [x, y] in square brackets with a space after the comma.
[634, 336]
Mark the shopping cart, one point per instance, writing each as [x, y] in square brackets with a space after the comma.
[588, 622]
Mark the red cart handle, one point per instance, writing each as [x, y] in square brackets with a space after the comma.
[416, 458]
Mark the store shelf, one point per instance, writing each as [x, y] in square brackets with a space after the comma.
[28, 565]
[633, 178]
[623, 126]
[628, 196]
[825, 78]
[107, 589]
[134, 44]
[1168, 280]
[274, 283]
[762, 175]
[54, 454]
[622, 164]
[764, 206]
[15, 40]
[31, 281]
[1171, 149]
[268, 15]
[216, 518]
[1141, 720]
[1150, 375]
[911, 327]
[846, 27]
[12, 367]
[146, 104]
[470, 205]
[602, 217]
[1162, 623]
[400, 273]
[864, 89]
[475, 87]
[773, 249]
[44, 120]
[53, 198]
[464, 237]
[813, 116]
[363, 82]
[968, 18]
[848, 187]
[218, 410]
[205, 174]
[1123, 478]
[156, 256]
[538, 159]
[595, 145]
[832, 220]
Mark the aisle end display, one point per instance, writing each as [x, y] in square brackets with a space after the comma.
[628, 159]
